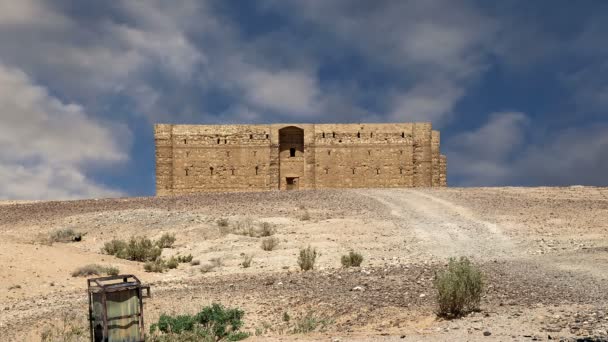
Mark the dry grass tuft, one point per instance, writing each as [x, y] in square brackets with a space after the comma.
[166, 240]
[352, 259]
[95, 269]
[269, 244]
[307, 258]
[65, 235]
[159, 265]
[247, 259]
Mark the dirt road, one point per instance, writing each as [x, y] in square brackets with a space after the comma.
[443, 228]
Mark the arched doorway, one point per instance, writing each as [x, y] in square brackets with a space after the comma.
[291, 157]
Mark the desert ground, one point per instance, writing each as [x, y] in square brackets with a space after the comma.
[543, 253]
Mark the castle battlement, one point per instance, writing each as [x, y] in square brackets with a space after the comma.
[201, 158]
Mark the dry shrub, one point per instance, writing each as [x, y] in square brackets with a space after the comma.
[95, 269]
[244, 227]
[305, 216]
[172, 263]
[352, 259]
[65, 235]
[247, 259]
[195, 262]
[205, 268]
[183, 259]
[159, 265]
[166, 240]
[309, 323]
[137, 249]
[266, 229]
[459, 288]
[142, 249]
[115, 247]
[269, 244]
[217, 262]
[223, 222]
[307, 258]
[72, 327]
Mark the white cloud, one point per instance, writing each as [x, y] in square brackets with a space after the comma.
[84, 61]
[482, 156]
[567, 157]
[290, 92]
[436, 49]
[501, 152]
[46, 145]
[422, 102]
[30, 13]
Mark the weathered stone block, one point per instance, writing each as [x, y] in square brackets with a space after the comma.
[195, 158]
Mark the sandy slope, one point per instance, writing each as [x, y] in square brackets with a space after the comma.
[544, 251]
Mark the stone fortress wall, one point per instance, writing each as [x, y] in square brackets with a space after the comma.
[200, 158]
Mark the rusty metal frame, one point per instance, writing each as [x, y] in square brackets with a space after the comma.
[104, 285]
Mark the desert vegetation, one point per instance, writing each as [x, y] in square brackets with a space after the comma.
[307, 258]
[310, 322]
[212, 323]
[142, 249]
[166, 240]
[138, 248]
[459, 288]
[64, 235]
[352, 259]
[247, 259]
[269, 244]
[245, 227]
[95, 269]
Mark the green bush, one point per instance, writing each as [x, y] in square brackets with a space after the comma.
[94, 269]
[183, 259]
[212, 323]
[268, 244]
[112, 271]
[352, 259]
[307, 258]
[166, 241]
[137, 249]
[159, 265]
[172, 263]
[142, 249]
[115, 247]
[459, 288]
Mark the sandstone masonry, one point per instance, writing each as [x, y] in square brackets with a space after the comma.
[198, 158]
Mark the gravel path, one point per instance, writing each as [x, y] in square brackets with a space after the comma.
[443, 228]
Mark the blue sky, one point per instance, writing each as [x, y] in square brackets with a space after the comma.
[519, 89]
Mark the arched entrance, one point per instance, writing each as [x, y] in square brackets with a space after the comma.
[291, 157]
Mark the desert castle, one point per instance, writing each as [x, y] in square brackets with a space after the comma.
[197, 158]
